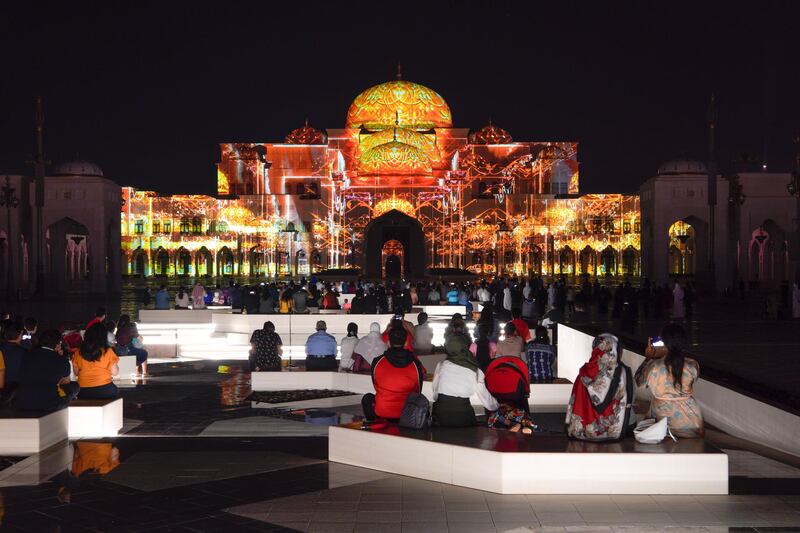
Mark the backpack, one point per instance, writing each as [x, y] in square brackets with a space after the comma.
[416, 412]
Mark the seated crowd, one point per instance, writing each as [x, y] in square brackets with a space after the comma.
[498, 371]
[36, 368]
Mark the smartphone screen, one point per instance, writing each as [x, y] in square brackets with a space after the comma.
[657, 342]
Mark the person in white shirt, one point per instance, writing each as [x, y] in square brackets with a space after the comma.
[182, 299]
[484, 296]
[455, 380]
[527, 290]
[423, 335]
[346, 347]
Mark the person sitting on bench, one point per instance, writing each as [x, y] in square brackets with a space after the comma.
[95, 365]
[321, 349]
[395, 375]
[508, 380]
[600, 406]
[44, 379]
[454, 381]
[11, 357]
[367, 349]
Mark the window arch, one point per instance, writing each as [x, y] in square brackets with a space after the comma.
[681, 248]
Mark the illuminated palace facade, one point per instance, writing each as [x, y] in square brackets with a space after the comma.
[395, 192]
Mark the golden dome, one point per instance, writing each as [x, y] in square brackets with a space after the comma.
[402, 103]
[490, 134]
[306, 135]
[394, 157]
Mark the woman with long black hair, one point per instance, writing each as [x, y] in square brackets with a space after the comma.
[483, 348]
[95, 364]
[670, 376]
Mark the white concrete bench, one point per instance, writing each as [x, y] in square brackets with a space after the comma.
[95, 418]
[508, 463]
[127, 367]
[29, 432]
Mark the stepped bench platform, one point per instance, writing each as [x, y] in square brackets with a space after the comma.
[95, 418]
[545, 397]
[510, 463]
[30, 432]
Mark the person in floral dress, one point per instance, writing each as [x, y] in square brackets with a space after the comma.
[266, 349]
[600, 404]
[673, 396]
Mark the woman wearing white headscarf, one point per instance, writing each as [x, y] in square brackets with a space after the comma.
[368, 348]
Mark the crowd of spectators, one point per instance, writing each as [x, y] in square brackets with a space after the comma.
[37, 367]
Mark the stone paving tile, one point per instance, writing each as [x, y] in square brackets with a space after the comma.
[424, 527]
[378, 528]
[393, 517]
[424, 516]
[472, 517]
[514, 516]
[334, 516]
[331, 527]
[471, 528]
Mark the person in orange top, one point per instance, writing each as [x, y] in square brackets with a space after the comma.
[95, 365]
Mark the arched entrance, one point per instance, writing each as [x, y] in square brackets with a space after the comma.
[392, 259]
[608, 261]
[630, 261]
[204, 262]
[681, 248]
[138, 266]
[183, 262]
[407, 231]
[161, 265]
[566, 261]
[225, 262]
[588, 261]
[68, 249]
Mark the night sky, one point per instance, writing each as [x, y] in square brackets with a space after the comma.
[147, 90]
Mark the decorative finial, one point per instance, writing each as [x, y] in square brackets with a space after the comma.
[399, 71]
[306, 122]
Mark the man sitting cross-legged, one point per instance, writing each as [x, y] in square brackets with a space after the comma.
[395, 375]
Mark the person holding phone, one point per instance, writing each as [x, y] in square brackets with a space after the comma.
[670, 378]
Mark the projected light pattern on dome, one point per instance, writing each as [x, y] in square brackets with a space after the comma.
[425, 142]
[394, 157]
[407, 104]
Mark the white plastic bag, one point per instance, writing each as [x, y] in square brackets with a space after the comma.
[650, 431]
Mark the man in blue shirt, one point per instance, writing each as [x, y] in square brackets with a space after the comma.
[321, 349]
[452, 295]
[162, 298]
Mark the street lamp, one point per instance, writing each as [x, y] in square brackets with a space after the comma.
[9, 200]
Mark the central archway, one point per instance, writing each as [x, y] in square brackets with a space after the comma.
[397, 226]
